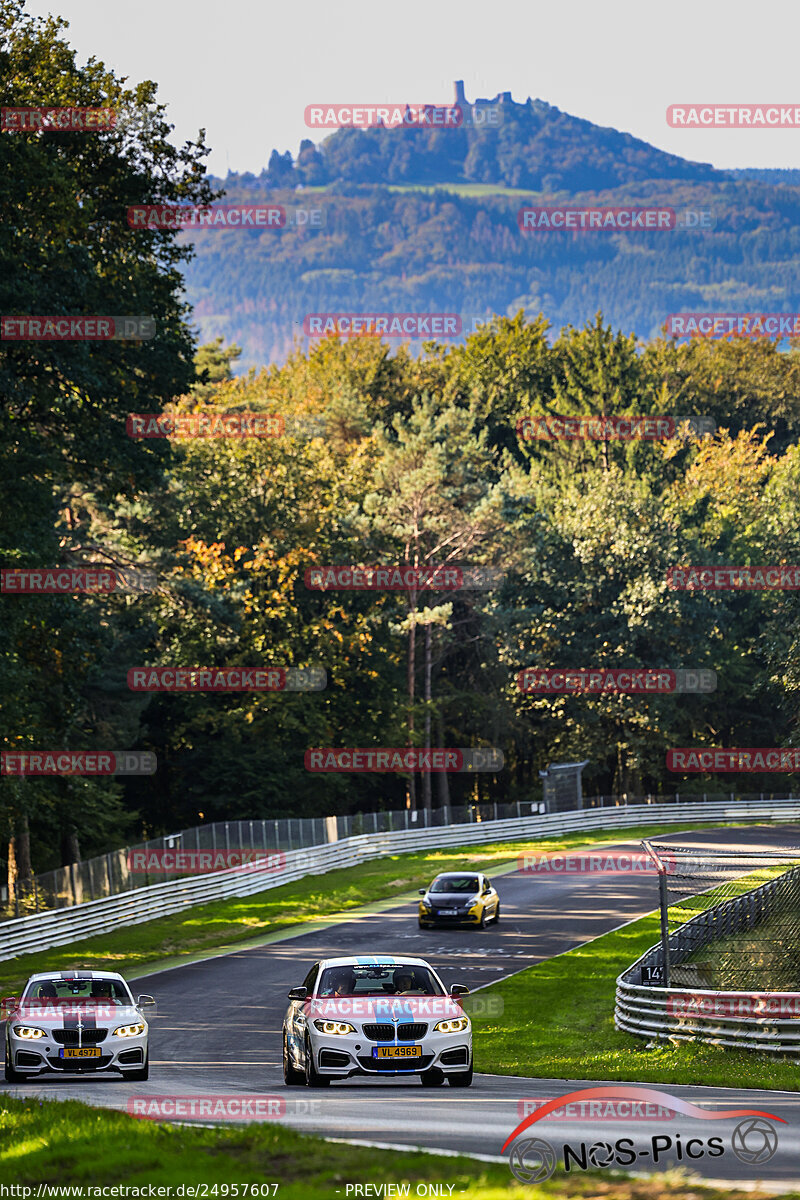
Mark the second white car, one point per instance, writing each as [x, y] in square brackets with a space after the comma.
[376, 1016]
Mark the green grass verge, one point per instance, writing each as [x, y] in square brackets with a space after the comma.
[210, 928]
[558, 1023]
[69, 1143]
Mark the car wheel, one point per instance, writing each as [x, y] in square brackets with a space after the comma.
[484, 922]
[292, 1077]
[432, 1078]
[461, 1079]
[12, 1076]
[312, 1078]
[139, 1076]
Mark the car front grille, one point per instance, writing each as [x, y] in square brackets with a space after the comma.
[395, 1065]
[79, 1064]
[407, 1032]
[69, 1037]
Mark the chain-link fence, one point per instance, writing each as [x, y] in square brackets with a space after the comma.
[730, 919]
[117, 871]
[137, 866]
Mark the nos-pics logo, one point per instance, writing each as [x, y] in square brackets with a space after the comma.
[533, 1159]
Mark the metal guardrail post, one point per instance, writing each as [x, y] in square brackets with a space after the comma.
[664, 904]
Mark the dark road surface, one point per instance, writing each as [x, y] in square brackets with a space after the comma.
[219, 1021]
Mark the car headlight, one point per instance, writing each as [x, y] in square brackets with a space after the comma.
[27, 1031]
[130, 1030]
[334, 1027]
[456, 1025]
[426, 904]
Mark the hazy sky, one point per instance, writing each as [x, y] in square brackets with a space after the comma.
[246, 69]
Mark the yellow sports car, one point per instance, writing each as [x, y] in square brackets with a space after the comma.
[458, 898]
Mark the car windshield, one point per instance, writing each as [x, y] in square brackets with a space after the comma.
[92, 991]
[393, 979]
[456, 883]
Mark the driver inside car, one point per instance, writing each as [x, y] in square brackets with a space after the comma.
[342, 983]
[405, 983]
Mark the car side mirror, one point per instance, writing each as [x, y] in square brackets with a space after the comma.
[145, 1002]
[458, 989]
[486, 890]
[422, 891]
[298, 993]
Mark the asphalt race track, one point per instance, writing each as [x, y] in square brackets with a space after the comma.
[219, 1021]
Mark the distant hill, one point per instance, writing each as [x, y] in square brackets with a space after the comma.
[431, 235]
[766, 175]
[533, 145]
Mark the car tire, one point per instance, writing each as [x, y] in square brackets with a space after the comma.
[484, 922]
[433, 1077]
[461, 1078]
[139, 1076]
[311, 1076]
[11, 1075]
[292, 1077]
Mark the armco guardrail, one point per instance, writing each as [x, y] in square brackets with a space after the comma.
[109, 874]
[767, 1021]
[749, 1020]
[26, 935]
